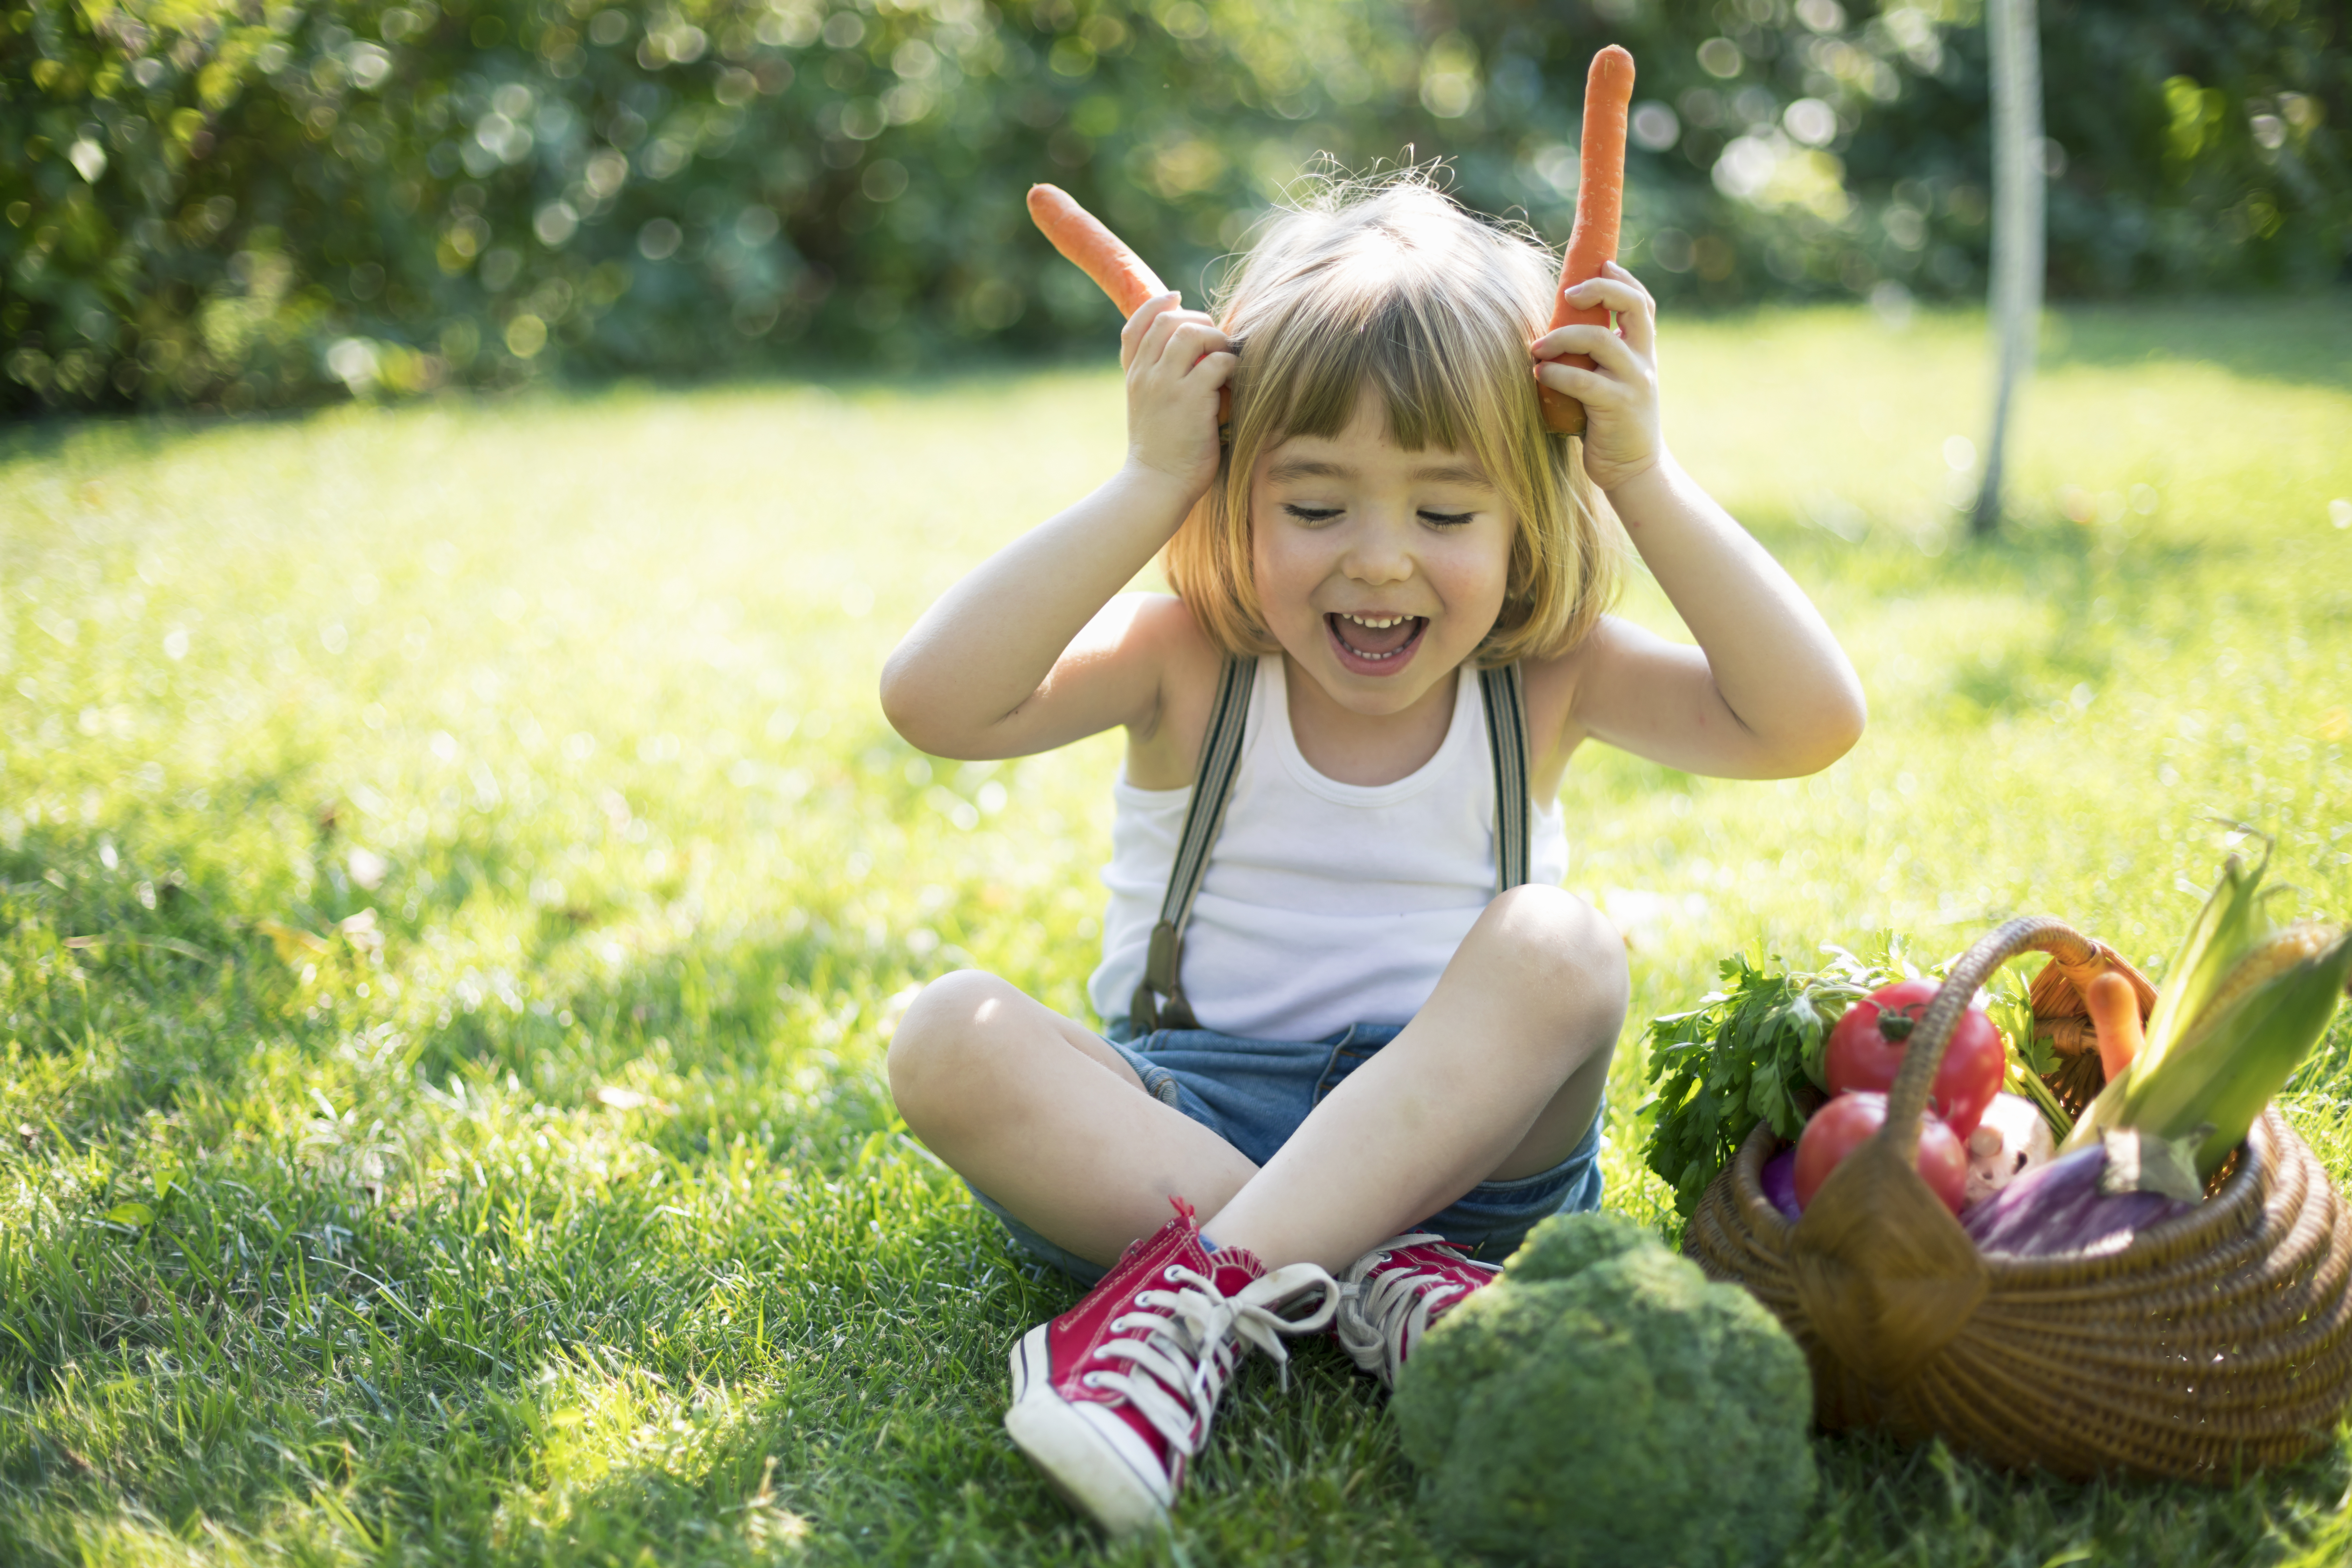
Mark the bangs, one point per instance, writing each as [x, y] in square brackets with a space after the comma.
[1432, 398]
[1448, 371]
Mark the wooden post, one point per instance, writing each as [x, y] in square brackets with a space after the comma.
[2018, 206]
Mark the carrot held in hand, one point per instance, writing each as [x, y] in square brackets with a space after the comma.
[1102, 256]
[1600, 204]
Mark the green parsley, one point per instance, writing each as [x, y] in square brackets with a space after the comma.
[1747, 1053]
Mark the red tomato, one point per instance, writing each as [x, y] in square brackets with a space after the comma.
[1865, 1051]
[1836, 1128]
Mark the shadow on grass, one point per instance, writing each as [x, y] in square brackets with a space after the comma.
[2297, 341]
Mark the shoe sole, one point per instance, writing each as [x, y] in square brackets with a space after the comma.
[1078, 1461]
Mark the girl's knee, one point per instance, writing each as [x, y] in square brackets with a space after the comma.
[1563, 947]
[1552, 925]
[935, 1040]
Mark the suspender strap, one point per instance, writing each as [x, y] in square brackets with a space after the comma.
[1212, 786]
[1506, 737]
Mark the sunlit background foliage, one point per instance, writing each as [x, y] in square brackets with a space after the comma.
[244, 203]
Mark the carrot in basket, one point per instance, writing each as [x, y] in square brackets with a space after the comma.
[1102, 256]
[2114, 1017]
[1600, 204]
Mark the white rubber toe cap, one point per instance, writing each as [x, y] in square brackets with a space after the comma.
[1098, 1463]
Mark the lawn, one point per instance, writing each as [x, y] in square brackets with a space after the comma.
[456, 884]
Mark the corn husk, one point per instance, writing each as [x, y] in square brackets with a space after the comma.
[2243, 1004]
[2228, 926]
[2247, 1043]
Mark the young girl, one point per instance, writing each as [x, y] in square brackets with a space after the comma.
[1351, 1022]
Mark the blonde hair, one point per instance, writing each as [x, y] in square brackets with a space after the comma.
[1386, 283]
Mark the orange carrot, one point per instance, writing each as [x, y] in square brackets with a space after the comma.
[1101, 255]
[1599, 203]
[2114, 1017]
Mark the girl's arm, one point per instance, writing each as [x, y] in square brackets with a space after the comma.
[1029, 651]
[1767, 693]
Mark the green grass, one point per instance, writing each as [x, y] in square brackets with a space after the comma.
[454, 881]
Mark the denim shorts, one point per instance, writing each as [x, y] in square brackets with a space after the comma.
[1254, 1093]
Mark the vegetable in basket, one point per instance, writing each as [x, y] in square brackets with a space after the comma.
[2243, 1003]
[2012, 1139]
[1602, 1404]
[1749, 1052]
[2067, 1206]
[1865, 1051]
[1840, 1127]
[2116, 1020]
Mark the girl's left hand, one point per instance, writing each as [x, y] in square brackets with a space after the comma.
[1621, 437]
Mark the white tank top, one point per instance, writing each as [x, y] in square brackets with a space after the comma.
[1325, 904]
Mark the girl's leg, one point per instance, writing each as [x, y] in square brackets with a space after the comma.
[1496, 1077]
[1048, 1121]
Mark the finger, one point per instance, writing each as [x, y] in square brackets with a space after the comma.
[1159, 332]
[1131, 335]
[1617, 356]
[1620, 271]
[1177, 339]
[1199, 335]
[1598, 344]
[1151, 310]
[1622, 295]
[1587, 387]
[1640, 324]
[1214, 368]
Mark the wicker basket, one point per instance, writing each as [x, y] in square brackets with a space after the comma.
[2215, 1342]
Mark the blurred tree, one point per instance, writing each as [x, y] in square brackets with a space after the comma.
[234, 204]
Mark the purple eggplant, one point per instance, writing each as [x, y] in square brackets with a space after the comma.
[1780, 1181]
[2058, 1208]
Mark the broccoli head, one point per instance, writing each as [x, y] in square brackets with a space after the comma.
[1603, 1403]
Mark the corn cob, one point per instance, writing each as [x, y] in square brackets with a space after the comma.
[2273, 955]
[2241, 1006]
[2241, 1050]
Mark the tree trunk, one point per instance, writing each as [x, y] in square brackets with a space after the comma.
[2018, 198]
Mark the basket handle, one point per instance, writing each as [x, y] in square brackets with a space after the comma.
[1924, 1053]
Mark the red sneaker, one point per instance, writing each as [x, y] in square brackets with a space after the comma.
[1111, 1398]
[1390, 1296]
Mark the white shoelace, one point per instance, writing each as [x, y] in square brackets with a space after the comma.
[1392, 1311]
[1183, 1346]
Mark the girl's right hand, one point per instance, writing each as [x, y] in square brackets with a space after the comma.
[1175, 361]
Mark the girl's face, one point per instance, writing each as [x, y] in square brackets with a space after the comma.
[1379, 570]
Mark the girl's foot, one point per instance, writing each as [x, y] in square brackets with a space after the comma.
[1111, 1398]
[1390, 1296]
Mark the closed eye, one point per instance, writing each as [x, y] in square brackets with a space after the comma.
[1447, 519]
[1311, 513]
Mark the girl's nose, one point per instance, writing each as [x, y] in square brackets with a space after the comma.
[1378, 554]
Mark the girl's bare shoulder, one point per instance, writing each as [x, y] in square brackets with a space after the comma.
[1556, 683]
[1163, 755]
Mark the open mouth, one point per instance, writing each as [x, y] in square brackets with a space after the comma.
[1375, 645]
